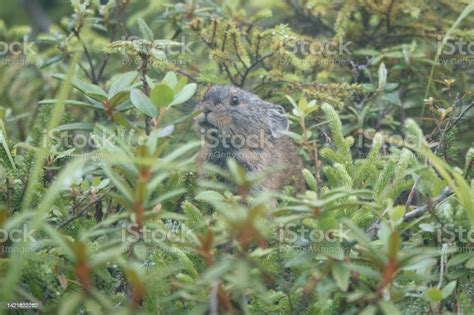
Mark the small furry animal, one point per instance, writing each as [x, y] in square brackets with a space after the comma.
[237, 124]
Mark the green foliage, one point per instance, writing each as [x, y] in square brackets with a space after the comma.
[97, 160]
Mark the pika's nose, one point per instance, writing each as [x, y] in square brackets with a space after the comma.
[206, 109]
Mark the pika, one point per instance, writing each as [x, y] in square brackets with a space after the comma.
[237, 124]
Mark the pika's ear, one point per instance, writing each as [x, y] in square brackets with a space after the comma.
[277, 121]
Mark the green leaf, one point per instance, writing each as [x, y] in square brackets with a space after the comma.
[71, 304]
[185, 94]
[119, 183]
[121, 120]
[456, 182]
[165, 132]
[341, 274]
[119, 98]
[382, 76]
[396, 214]
[180, 85]
[4, 143]
[143, 103]
[105, 256]
[144, 30]
[74, 126]
[177, 153]
[209, 195]
[161, 95]
[59, 240]
[70, 102]
[185, 262]
[470, 263]
[434, 294]
[310, 180]
[96, 181]
[394, 244]
[448, 289]
[158, 54]
[388, 308]
[51, 61]
[237, 172]
[152, 141]
[122, 82]
[427, 227]
[170, 79]
[366, 271]
[369, 310]
[459, 259]
[91, 90]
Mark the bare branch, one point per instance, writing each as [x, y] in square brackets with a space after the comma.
[421, 210]
[374, 227]
[81, 212]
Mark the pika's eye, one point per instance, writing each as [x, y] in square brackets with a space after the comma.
[234, 101]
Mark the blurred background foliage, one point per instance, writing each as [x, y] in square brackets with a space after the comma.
[97, 152]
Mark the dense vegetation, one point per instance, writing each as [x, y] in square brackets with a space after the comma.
[102, 208]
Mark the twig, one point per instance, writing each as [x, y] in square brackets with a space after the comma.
[461, 115]
[188, 75]
[421, 210]
[442, 263]
[143, 68]
[317, 167]
[237, 51]
[118, 15]
[253, 65]
[448, 127]
[213, 304]
[412, 192]
[81, 212]
[85, 71]
[86, 53]
[374, 227]
[389, 12]
[225, 38]
[231, 78]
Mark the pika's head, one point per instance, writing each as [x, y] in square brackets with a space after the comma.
[237, 112]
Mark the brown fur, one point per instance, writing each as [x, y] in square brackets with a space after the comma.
[261, 124]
